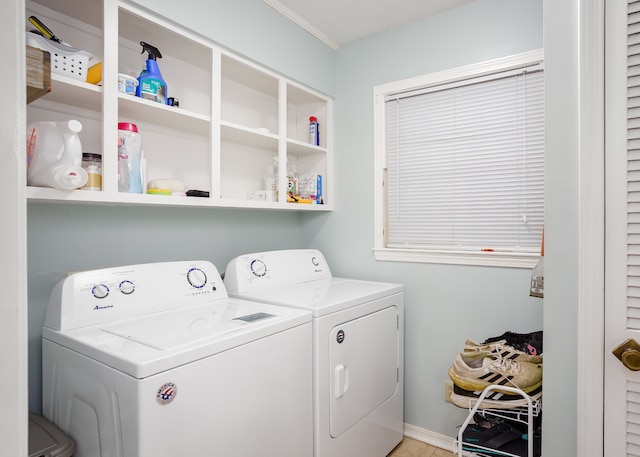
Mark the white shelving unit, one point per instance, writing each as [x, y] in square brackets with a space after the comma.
[234, 118]
[523, 415]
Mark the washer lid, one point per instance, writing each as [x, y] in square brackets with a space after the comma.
[154, 343]
[324, 296]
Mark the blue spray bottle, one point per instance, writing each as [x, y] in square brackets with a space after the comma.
[150, 83]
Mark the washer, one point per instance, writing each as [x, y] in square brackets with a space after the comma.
[358, 333]
[156, 360]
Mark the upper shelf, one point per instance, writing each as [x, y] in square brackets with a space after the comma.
[163, 115]
[248, 136]
[75, 93]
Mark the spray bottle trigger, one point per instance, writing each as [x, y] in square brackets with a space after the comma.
[152, 50]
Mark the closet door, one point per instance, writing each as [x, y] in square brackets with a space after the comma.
[622, 263]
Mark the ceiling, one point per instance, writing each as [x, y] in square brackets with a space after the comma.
[337, 22]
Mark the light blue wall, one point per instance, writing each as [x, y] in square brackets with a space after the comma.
[445, 305]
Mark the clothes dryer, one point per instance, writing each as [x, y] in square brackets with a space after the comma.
[358, 333]
[156, 360]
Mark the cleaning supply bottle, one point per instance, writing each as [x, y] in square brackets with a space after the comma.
[54, 155]
[537, 275]
[314, 131]
[129, 155]
[151, 85]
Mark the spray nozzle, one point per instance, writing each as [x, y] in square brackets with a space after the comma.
[152, 50]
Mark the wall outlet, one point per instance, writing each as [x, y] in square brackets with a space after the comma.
[448, 390]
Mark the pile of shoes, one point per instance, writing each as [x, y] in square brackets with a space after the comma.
[495, 436]
[511, 359]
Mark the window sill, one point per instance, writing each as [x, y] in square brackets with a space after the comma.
[485, 259]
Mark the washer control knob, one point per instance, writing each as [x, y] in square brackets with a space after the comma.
[100, 290]
[315, 261]
[197, 278]
[127, 287]
[258, 268]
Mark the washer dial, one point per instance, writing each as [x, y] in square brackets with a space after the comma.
[258, 268]
[127, 287]
[100, 290]
[197, 278]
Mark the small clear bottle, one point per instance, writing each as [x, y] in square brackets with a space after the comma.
[271, 180]
[292, 178]
[92, 164]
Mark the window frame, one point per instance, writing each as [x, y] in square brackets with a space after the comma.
[462, 257]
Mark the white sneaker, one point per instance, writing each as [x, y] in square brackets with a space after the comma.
[475, 370]
[502, 349]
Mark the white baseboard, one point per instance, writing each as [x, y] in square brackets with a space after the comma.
[429, 437]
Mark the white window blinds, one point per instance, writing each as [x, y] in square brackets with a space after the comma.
[465, 165]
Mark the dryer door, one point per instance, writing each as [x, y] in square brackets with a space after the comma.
[364, 362]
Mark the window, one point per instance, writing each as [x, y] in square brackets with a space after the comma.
[460, 165]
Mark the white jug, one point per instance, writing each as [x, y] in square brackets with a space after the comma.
[54, 155]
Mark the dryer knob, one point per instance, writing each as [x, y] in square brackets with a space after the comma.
[197, 278]
[100, 290]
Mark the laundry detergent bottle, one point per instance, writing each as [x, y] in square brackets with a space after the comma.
[54, 155]
[151, 85]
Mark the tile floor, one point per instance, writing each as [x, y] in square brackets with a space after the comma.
[414, 448]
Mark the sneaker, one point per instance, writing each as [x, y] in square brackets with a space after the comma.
[475, 371]
[502, 349]
[493, 400]
[498, 440]
[530, 343]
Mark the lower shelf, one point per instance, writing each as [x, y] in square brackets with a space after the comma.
[523, 415]
[44, 194]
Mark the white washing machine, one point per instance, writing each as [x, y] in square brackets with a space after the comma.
[156, 360]
[358, 333]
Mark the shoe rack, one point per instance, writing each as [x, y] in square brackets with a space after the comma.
[522, 414]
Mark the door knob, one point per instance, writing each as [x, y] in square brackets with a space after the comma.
[629, 354]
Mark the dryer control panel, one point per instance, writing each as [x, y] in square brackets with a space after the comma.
[100, 296]
[257, 271]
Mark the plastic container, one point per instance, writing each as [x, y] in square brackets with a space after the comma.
[127, 84]
[159, 192]
[92, 164]
[65, 60]
[54, 155]
[47, 440]
[314, 131]
[129, 153]
[94, 74]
